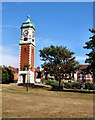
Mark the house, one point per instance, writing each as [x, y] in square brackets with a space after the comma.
[78, 75]
[83, 77]
[38, 75]
[15, 72]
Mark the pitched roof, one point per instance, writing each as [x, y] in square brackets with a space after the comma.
[15, 70]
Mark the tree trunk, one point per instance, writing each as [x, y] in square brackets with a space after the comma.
[59, 83]
[94, 77]
[27, 87]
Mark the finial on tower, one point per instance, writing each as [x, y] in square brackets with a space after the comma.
[28, 18]
[27, 23]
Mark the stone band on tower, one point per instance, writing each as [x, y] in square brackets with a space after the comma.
[27, 50]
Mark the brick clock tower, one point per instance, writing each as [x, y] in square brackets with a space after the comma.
[27, 51]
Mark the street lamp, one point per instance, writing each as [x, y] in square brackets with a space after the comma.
[28, 79]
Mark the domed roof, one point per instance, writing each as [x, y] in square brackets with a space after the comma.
[27, 23]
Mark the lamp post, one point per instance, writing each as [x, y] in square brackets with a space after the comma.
[27, 83]
[28, 78]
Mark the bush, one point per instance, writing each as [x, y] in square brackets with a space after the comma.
[7, 75]
[54, 84]
[79, 85]
[43, 81]
[48, 82]
[73, 85]
[89, 86]
[68, 85]
[15, 81]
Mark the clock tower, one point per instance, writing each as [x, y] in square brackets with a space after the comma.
[27, 51]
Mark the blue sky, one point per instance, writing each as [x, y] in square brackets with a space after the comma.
[57, 23]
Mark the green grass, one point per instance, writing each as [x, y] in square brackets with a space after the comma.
[42, 103]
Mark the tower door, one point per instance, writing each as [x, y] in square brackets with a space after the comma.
[24, 76]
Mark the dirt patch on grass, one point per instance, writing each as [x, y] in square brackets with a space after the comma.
[41, 103]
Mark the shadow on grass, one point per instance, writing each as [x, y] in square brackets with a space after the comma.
[72, 90]
[49, 88]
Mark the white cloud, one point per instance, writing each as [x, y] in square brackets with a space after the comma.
[9, 60]
[80, 57]
[44, 40]
[7, 57]
[10, 26]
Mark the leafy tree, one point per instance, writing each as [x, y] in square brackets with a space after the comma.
[90, 45]
[7, 75]
[58, 61]
[26, 67]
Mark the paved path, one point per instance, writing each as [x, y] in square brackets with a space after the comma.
[40, 84]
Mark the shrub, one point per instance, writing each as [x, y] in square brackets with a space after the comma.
[15, 81]
[7, 75]
[79, 85]
[68, 85]
[48, 82]
[54, 84]
[89, 86]
[43, 81]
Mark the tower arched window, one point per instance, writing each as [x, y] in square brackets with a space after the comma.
[32, 40]
[25, 39]
[24, 49]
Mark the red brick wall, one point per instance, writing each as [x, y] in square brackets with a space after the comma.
[24, 56]
[15, 76]
[32, 58]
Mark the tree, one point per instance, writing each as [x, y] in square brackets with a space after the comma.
[7, 75]
[26, 67]
[58, 61]
[90, 45]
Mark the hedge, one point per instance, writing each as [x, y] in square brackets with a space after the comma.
[70, 85]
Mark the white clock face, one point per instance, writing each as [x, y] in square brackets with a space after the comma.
[25, 32]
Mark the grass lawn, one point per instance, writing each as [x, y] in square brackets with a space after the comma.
[42, 103]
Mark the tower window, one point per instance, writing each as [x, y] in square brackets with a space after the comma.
[33, 35]
[25, 39]
[29, 36]
[32, 40]
[24, 49]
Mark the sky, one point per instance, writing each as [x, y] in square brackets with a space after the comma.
[56, 23]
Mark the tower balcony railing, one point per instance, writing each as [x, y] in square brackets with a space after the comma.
[24, 42]
[22, 72]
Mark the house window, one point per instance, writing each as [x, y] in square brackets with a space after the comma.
[81, 76]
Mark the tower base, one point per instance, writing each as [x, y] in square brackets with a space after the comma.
[25, 77]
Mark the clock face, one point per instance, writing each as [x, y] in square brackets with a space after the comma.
[25, 32]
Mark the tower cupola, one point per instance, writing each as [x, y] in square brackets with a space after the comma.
[27, 23]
